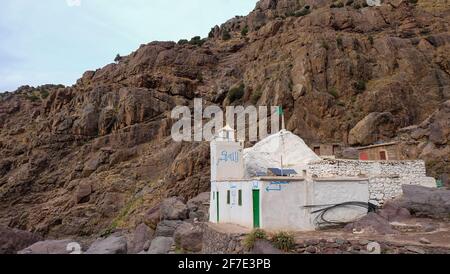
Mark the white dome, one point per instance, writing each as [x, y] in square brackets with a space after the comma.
[268, 152]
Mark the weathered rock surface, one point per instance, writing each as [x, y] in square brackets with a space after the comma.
[13, 240]
[167, 228]
[48, 247]
[161, 245]
[426, 202]
[111, 245]
[174, 209]
[372, 223]
[141, 237]
[189, 237]
[199, 207]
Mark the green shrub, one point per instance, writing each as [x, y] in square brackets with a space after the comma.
[283, 241]
[302, 12]
[333, 92]
[183, 42]
[250, 239]
[413, 1]
[118, 58]
[44, 94]
[360, 85]
[256, 96]
[356, 6]
[339, 42]
[244, 31]
[236, 93]
[349, 2]
[226, 35]
[32, 97]
[197, 41]
[337, 5]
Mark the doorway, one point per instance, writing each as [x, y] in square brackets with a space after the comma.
[256, 209]
[217, 206]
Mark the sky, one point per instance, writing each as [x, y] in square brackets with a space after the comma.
[55, 41]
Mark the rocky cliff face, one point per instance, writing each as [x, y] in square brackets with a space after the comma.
[87, 159]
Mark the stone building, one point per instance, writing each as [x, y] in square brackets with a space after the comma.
[281, 184]
[381, 152]
[331, 150]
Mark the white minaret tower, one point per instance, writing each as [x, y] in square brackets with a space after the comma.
[227, 161]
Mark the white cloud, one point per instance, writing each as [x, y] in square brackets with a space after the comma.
[73, 3]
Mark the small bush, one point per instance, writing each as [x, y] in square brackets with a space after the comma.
[371, 39]
[349, 2]
[302, 12]
[244, 31]
[256, 96]
[118, 58]
[356, 6]
[197, 41]
[337, 5]
[360, 86]
[339, 42]
[284, 241]
[226, 35]
[32, 97]
[236, 93]
[183, 42]
[333, 92]
[324, 45]
[413, 1]
[44, 94]
[250, 239]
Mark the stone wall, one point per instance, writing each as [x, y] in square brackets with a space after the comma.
[385, 177]
[216, 240]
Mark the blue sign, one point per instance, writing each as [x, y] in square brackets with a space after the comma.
[229, 157]
[276, 186]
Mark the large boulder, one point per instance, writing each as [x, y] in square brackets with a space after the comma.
[189, 237]
[141, 236]
[393, 212]
[372, 223]
[111, 245]
[167, 228]
[13, 240]
[426, 202]
[48, 247]
[174, 209]
[161, 245]
[372, 128]
[199, 207]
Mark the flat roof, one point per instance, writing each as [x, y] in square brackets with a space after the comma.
[378, 145]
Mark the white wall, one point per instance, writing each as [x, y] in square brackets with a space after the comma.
[284, 209]
[337, 191]
[227, 161]
[233, 212]
[282, 206]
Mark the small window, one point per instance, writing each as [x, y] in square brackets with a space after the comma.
[317, 150]
[383, 155]
[240, 197]
[228, 197]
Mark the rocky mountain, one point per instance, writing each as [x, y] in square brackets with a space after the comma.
[95, 157]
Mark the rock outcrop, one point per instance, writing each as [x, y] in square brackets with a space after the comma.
[98, 156]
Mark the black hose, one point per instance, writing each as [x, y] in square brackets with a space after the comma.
[322, 222]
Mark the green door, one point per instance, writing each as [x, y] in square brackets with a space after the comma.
[256, 213]
[217, 199]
